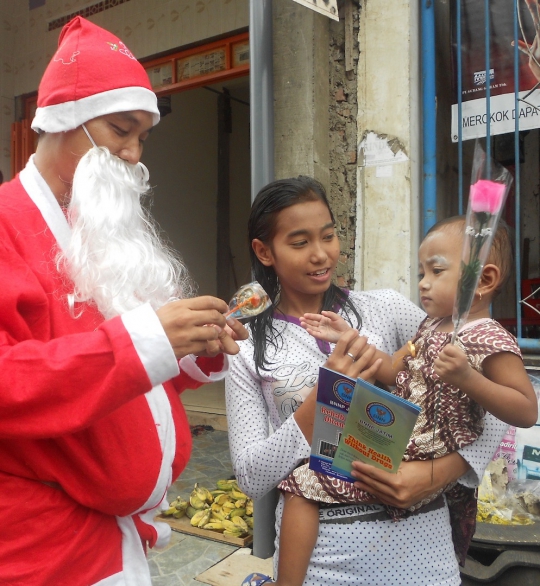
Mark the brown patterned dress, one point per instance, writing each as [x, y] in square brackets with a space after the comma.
[459, 423]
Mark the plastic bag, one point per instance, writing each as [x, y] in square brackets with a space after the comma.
[504, 502]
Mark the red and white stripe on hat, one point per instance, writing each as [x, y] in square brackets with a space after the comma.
[92, 73]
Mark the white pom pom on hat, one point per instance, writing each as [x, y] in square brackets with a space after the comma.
[92, 73]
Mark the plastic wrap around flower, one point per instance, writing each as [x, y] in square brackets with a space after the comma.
[248, 301]
[490, 184]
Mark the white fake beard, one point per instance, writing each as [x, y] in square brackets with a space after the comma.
[115, 257]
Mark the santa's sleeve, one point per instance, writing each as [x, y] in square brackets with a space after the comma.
[156, 354]
[53, 384]
[196, 371]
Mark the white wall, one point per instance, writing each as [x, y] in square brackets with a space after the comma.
[240, 184]
[181, 155]
[388, 105]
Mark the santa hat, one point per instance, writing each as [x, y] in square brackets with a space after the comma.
[91, 74]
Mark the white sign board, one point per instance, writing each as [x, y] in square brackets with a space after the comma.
[502, 115]
[327, 7]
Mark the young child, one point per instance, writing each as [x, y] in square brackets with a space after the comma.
[483, 370]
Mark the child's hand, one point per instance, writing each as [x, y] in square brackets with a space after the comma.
[452, 366]
[327, 326]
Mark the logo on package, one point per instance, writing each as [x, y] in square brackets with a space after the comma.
[479, 77]
[380, 414]
[343, 390]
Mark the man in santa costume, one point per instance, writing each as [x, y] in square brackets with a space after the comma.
[97, 334]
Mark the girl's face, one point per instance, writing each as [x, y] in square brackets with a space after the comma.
[439, 260]
[303, 252]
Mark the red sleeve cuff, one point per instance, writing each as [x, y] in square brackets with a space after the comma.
[209, 365]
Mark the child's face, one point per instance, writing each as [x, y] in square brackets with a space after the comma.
[439, 260]
[304, 250]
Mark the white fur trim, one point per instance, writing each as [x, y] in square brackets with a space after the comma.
[151, 343]
[161, 412]
[188, 365]
[40, 193]
[70, 115]
[135, 566]
[163, 529]
[114, 580]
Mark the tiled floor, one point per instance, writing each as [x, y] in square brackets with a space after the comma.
[188, 556]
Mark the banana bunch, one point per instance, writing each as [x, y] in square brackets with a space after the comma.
[226, 509]
[177, 508]
[200, 498]
[232, 510]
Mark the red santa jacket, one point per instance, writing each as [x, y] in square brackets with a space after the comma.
[90, 439]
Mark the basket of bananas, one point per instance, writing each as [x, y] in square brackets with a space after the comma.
[222, 514]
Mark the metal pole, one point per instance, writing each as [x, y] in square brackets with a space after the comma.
[262, 172]
[261, 89]
[429, 115]
[460, 108]
[487, 24]
[517, 182]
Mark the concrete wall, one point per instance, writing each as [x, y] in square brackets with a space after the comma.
[147, 27]
[301, 94]
[388, 105]
[322, 111]
[315, 113]
[343, 112]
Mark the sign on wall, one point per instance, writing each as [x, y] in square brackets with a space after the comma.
[501, 68]
[326, 7]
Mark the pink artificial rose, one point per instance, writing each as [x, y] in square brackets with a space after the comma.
[487, 196]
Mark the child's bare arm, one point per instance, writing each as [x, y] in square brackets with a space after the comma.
[504, 389]
[327, 326]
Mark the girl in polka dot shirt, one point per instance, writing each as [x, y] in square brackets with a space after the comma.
[271, 396]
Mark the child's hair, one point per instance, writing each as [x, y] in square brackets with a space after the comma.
[270, 200]
[501, 252]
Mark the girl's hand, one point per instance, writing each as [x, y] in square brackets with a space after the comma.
[452, 366]
[412, 482]
[327, 326]
[354, 357]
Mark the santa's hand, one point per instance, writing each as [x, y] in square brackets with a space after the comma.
[236, 329]
[185, 324]
[452, 366]
[226, 340]
[327, 325]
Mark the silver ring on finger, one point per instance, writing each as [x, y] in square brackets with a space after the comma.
[353, 358]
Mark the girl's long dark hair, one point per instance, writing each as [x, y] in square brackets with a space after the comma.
[270, 200]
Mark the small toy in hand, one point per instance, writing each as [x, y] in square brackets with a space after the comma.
[248, 301]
